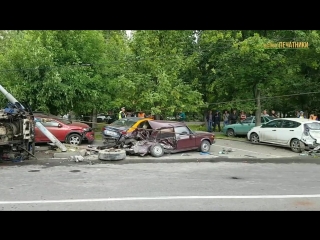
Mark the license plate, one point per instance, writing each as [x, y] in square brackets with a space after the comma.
[111, 133]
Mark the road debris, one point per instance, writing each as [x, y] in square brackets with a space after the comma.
[78, 158]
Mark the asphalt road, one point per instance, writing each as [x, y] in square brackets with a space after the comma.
[190, 186]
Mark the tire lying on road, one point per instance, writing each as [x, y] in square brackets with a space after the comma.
[112, 154]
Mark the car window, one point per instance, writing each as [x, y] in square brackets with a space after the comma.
[248, 120]
[182, 130]
[269, 118]
[290, 124]
[123, 123]
[273, 124]
[313, 126]
[49, 122]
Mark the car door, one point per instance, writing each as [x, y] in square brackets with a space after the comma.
[287, 131]
[185, 138]
[268, 131]
[39, 136]
[246, 126]
[56, 128]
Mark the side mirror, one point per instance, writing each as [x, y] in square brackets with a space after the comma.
[59, 125]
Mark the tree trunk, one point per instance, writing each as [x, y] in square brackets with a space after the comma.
[94, 118]
[258, 105]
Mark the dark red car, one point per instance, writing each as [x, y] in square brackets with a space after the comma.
[167, 137]
[64, 130]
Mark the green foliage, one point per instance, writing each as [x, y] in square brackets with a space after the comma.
[160, 71]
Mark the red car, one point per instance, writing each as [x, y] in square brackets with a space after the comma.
[64, 130]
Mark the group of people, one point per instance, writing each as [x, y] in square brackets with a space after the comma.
[214, 120]
[312, 116]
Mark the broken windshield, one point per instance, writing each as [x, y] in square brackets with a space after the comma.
[313, 126]
[123, 123]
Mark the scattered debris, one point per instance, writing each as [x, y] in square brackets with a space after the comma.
[77, 158]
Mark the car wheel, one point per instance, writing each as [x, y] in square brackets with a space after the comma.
[74, 139]
[205, 146]
[230, 132]
[295, 145]
[254, 138]
[156, 150]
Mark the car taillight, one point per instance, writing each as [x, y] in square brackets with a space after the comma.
[104, 128]
[123, 132]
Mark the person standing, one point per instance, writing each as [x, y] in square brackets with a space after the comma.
[182, 116]
[209, 119]
[233, 117]
[242, 116]
[122, 113]
[216, 121]
[273, 114]
[265, 113]
[141, 114]
[225, 118]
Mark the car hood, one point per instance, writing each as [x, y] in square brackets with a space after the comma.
[78, 124]
[113, 128]
[202, 133]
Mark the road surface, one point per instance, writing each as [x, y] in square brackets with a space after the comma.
[200, 186]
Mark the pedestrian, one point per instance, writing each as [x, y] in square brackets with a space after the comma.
[301, 114]
[225, 118]
[141, 114]
[273, 114]
[122, 113]
[265, 113]
[216, 121]
[209, 119]
[242, 116]
[181, 116]
[233, 117]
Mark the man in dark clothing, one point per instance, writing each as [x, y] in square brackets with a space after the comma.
[209, 119]
[233, 117]
[216, 121]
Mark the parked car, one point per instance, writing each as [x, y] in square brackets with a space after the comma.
[296, 133]
[243, 127]
[162, 136]
[112, 132]
[64, 130]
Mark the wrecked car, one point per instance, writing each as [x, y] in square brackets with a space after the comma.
[64, 130]
[113, 132]
[158, 137]
[296, 133]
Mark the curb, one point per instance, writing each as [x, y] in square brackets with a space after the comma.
[147, 159]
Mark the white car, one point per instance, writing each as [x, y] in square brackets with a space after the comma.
[296, 133]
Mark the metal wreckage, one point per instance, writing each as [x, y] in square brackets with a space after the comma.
[158, 137]
[17, 130]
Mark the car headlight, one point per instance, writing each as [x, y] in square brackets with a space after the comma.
[86, 129]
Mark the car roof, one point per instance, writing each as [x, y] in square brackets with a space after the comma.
[157, 124]
[300, 120]
[134, 118]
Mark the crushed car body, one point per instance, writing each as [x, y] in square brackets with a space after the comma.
[158, 137]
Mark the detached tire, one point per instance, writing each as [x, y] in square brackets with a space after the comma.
[74, 139]
[156, 150]
[112, 154]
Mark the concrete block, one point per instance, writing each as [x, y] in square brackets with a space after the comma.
[65, 154]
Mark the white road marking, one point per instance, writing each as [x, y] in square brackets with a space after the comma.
[160, 198]
[246, 150]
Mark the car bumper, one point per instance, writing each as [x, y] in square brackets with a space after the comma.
[89, 136]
